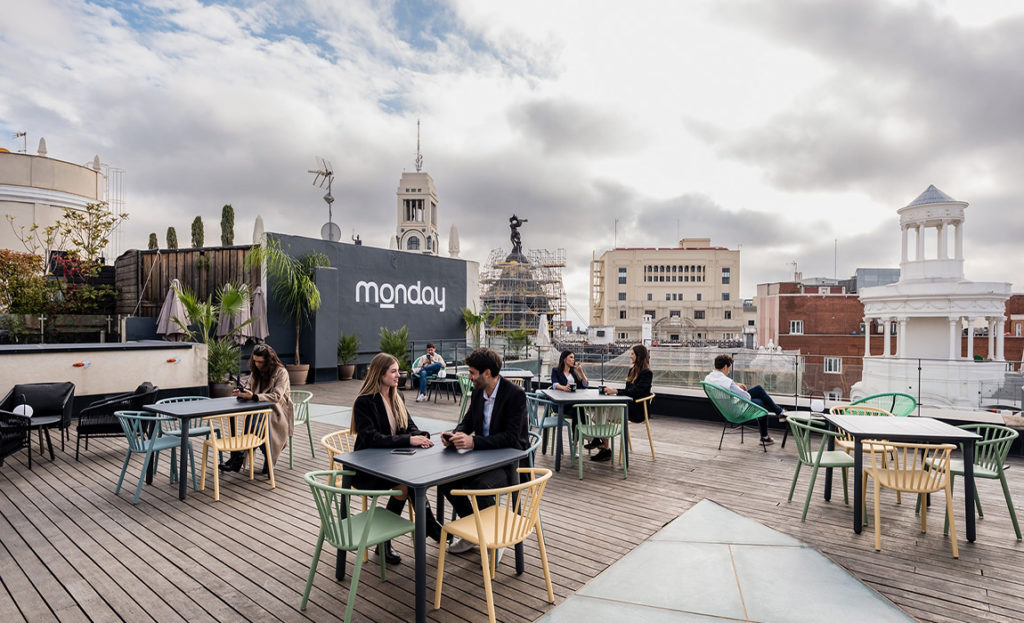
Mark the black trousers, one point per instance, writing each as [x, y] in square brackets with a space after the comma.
[487, 480]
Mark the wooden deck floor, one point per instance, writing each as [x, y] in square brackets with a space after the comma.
[71, 550]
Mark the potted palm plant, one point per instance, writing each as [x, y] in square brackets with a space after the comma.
[396, 344]
[348, 350]
[222, 352]
[293, 283]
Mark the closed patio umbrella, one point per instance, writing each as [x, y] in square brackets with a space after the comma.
[172, 308]
[257, 329]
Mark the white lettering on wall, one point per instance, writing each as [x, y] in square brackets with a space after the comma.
[387, 295]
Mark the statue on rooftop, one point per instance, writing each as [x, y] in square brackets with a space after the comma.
[514, 224]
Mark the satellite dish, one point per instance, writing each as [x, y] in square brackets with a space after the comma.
[330, 231]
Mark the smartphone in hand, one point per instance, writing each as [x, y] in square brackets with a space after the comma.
[404, 451]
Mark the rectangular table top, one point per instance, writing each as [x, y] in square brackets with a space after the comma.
[515, 373]
[206, 408]
[900, 428]
[589, 396]
[429, 466]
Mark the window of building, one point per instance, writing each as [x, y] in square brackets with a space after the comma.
[623, 335]
[892, 328]
[796, 326]
[1018, 329]
[727, 336]
[686, 278]
[750, 323]
[413, 244]
[661, 278]
[680, 296]
[430, 242]
[649, 312]
[622, 275]
[698, 314]
[686, 269]
[833, 365]
[835, 395]
[674, 313]
[622, 314]
[622, 296]
[414, 210]
[698, 296]
[650, 296]
[728, 314]
[726, 276]
[673, 269]
[599, 333]
[668, 297]
[725, 296]
[673, 296]
[673, 337]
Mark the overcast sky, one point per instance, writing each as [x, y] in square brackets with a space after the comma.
[775, 127]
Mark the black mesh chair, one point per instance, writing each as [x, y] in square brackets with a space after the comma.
[98, 419]
[51, 407]
[14, 435]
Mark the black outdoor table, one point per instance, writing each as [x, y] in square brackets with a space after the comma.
[582, 397]
[186, 411]
[517, 373]
[427, 468]
[913, 429]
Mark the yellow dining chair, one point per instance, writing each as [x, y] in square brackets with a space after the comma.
[237, 432]
[914, 468]
[647, 422]
[513, 517]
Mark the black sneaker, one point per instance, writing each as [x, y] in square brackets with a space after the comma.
[604, 454]
[593, 443]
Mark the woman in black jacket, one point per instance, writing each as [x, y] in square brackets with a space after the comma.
[638, 385]
[381, 420]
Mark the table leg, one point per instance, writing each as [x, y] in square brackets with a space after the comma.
[969, 488]
[858, 477]
[339, 563]
[183, 460]
[558, 438]
[828, 470]
[420, 540]
[625, 432]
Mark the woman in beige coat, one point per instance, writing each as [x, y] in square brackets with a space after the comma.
[267, 382]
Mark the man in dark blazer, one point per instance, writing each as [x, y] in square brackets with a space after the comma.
[496, 418]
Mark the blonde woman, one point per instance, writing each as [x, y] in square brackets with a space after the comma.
[381, 420]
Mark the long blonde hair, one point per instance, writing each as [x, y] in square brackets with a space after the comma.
[372, 385]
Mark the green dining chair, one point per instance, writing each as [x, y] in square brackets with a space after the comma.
[301, 400]
[353, 532]
[802, 429]
[737, 410]
[466, 390]
[896, 403]
[601, 422]
[989, 462]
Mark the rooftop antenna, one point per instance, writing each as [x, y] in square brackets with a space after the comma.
[24, 141]
[325, 175]
[793, 264]
[419, 156]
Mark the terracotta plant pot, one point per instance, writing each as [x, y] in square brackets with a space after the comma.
[297, 374]
[220, 390]
[346, 371]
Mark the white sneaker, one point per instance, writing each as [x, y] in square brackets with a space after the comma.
[421, 398]
[459, 546]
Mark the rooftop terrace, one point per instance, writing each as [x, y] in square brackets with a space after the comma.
[71, 550]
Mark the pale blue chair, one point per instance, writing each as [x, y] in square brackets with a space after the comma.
[543, 415]
[135, 425]
[172, 426]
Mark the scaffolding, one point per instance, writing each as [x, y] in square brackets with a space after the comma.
[519, 294]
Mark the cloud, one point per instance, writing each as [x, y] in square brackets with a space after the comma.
[567, 127]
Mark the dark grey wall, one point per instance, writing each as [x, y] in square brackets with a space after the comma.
[405, 281]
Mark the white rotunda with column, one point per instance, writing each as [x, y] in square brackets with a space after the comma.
[928, 309]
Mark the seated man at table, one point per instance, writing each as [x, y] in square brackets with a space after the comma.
[756, 394]
[496, 418]
[427, 364]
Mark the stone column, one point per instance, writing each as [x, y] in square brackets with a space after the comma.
[1000, 339]
[970, 338]
[920, 243]
[991, 337]
[941, 234]
[901, 338]
[886, 350]
[954, 339]
[958, 251]
[903, 246]
[867, 336]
